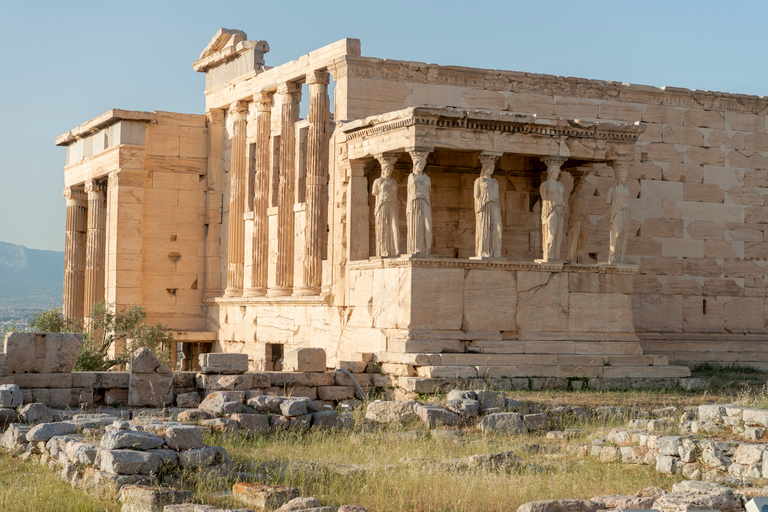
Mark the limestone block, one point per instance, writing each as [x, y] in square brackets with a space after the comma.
[704, 119]
[223, 363]
[705, 230]
[606, 312]
[292, 379]
[504, 422]
[745, 314]
[335, 393]
[188, 400]
[542, 301]
[702, 267]
[28, 352]
[391, 412]
[687, 172]
[135, 440]
[681, 248]
[45, 431]
[722, 286]
[223, 382]
[144, 498]
[10, 396]
[435, 301]
[619, 111]
[490, 300]
[703, 192]
[682, 135]
[183, 437]
[264, 497]
[150, 381]
[665, 228]
[576, 107]
[661, 266]
[304, 359]
[128, 462]
[655, 312]
[434, 416]
[746, 196]
[531, 103]
[681, 286]
[698, 318]
[743, 268]
[58, 398]
[662, 152]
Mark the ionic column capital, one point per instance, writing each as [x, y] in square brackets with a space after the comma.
[94, 187]
[287, 88]
[238, 109]
[215, 116]
[74, 194]
[318, 78]
[263, 101]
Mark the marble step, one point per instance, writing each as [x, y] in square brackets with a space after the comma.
[514, 347]
[547, 360]
[561, 371]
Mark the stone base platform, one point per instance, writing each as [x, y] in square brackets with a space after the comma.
[693, 349]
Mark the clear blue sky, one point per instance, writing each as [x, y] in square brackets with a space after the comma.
[67, 62]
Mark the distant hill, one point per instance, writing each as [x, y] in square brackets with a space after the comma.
[30, 280]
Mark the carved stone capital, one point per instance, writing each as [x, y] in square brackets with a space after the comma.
[215, 116]
[419, 156]
[387, 162]
[94, 187]
[263, 101]
[554, 161]
[238, 109]
[289, 88]
[74, 194]
[488, 160]
[318, 77]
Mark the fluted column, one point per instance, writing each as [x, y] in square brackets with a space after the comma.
[291, 95]
[96, 245]
[258, 285]
[74, 253]
[236, 242]
[317, 176]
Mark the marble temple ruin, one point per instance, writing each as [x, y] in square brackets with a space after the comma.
[443, 221]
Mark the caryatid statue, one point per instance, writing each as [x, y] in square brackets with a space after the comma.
[419, 209]
[488, 227]
[552, 210]
[578, 219]
[387, 210]
[618, 198]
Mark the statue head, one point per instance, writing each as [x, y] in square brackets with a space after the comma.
[621, 173]
[419, 161]
[553, 172]
[578, 182]
[386, 169]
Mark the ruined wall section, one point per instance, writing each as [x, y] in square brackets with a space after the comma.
[699, 180]
[173, 227]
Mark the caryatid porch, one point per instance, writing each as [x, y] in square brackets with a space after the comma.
[490, 275]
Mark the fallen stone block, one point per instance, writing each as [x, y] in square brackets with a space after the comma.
[14, 435]
[34, 413]
[46, 352]
[503, 422]
[222, 363]
[297, 504]
[693, 384]
[353, 366]
[534, 422]
[391, 412]
[10, 396]
[252, 423]
[326, 419]
[692, 495]
[291, 407]
[466, 408]
[434, 416]
[8, 416]
[135, 440]
[490, 399]
[187, 400]
[150, 381]
[128, 462]
[263, 496]
[144, 498]
[559, 506]
[183, 437]
[266, 404]
[223, 425]
[304, 360]
[223, 382]
[220, 403]
[45, 431]
[203, 457]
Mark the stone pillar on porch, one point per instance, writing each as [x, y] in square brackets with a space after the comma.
[260, 179]
[96, 244]
[358, 228]
[214, 202]
[578, 216]
[236, 242]
[419, 206]
[75, 253]
[290, 95]
[317, 177]
[552, 210]
[621, 216]
[387, 209]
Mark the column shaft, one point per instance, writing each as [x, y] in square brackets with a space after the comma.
[260, 179]
[291, 95]
[96, 245]
[74, 253]
[317, 177]
[236, 241]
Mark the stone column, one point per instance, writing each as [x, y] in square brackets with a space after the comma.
[419, 205]
[317, 177]
[96, 245]
[236, 242]
[214, 276]
[74, 253]
[578, 217]
[260, 253]
[621, 216]
[291, 95]
[552, 210]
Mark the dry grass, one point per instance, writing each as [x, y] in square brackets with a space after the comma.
[29, 487]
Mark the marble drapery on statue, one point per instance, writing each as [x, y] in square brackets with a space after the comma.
[419, 208]
[552, 210]
[578, 219]
[618, 198]
[488, 226]
[387, 210]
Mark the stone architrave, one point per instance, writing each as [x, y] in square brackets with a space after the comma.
[291, 95]
[488, 228]
[150, 382]
[42, 352]
[552, 210]
[618, 198]
[236, 243]
[419, 208]
[317, 177]
[387, 209]
[260, 163]
[578, 219]
[75, 253]
[96, 245]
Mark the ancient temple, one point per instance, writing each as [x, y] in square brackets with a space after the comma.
[443, 221]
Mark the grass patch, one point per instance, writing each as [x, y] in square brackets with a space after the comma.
[26, 486]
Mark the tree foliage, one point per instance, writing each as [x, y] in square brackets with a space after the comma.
[107, 330]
